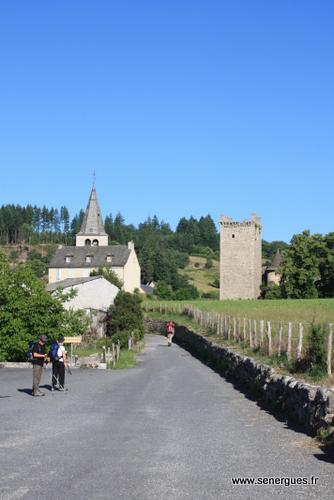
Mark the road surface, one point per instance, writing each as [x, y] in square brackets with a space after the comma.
[168, 429]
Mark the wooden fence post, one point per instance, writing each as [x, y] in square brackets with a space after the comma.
[288, 350]
[229, 328]
[300, 341]
[329, 349]
[270, 349]
[255, 334]
[250, 333]
[244, 329]
[280, 332]
[113, 355]
[234, 329]
[239, 330]
[261, 332]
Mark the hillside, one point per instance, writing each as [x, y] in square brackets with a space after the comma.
[201, 277]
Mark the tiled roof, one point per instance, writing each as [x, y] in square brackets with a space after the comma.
[77, 256]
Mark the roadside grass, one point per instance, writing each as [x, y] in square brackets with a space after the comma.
[279, 363]
[126, 360]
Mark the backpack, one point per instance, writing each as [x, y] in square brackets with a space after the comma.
[54, 351]
[29, 353]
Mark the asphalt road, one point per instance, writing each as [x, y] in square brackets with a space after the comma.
[169, 429]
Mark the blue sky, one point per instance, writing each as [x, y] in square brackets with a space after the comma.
[181, 107]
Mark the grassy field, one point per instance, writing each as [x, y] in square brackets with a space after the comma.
[307, 311]
[201, 277]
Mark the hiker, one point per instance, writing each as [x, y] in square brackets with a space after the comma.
[170, 328]
[38, 358]
[59, 363]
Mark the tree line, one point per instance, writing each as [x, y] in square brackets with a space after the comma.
[161, 251]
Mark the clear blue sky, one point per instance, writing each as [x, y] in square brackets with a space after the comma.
[182, 108]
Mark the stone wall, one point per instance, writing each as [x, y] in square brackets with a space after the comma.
[310, 407]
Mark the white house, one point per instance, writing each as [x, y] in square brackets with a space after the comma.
[94, 294]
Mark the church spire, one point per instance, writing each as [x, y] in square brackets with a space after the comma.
[92, 230]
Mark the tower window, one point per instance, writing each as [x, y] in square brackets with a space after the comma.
[87, 243]
[233, 235]
[95, 243]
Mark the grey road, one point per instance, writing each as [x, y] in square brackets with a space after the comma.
[169, 429]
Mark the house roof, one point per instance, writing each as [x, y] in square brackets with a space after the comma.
[119, 256]
[92, 223]
[69, 282]
[147, 289]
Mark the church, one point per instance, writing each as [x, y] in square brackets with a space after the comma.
[92, 252]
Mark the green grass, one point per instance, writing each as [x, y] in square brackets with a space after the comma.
[307, 311]
[201, 277]
[126, 360]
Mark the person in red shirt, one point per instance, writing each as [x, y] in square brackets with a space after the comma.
[170, 329]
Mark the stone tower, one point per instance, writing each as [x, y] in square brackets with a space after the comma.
[92, 232]
[240, 258]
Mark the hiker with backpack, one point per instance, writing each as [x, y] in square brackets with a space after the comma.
[58, 358]
[38, 356]
[170, 330]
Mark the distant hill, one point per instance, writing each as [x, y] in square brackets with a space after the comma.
[204, 278]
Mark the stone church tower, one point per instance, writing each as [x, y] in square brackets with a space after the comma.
[92, 232]
[240, 258]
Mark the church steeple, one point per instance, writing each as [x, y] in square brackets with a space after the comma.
[92, 230]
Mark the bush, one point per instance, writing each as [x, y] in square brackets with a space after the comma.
[317, 350]
[208, 264]
[271, 292]
[125, 314]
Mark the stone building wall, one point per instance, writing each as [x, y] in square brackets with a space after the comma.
[240, 258]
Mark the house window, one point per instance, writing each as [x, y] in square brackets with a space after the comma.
[68, 258]
[87, 242]
[88, 259]
[109, 258]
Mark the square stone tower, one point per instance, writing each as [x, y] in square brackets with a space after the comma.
[240, 258]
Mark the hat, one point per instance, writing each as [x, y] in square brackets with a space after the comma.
[43, 338]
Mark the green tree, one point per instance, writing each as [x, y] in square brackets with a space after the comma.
[299, 270]
[125, 314]
[109, 275]
[27, 310]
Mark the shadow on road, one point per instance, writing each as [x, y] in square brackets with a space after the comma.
[261, 404]
[328, 455]
[26, 391]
